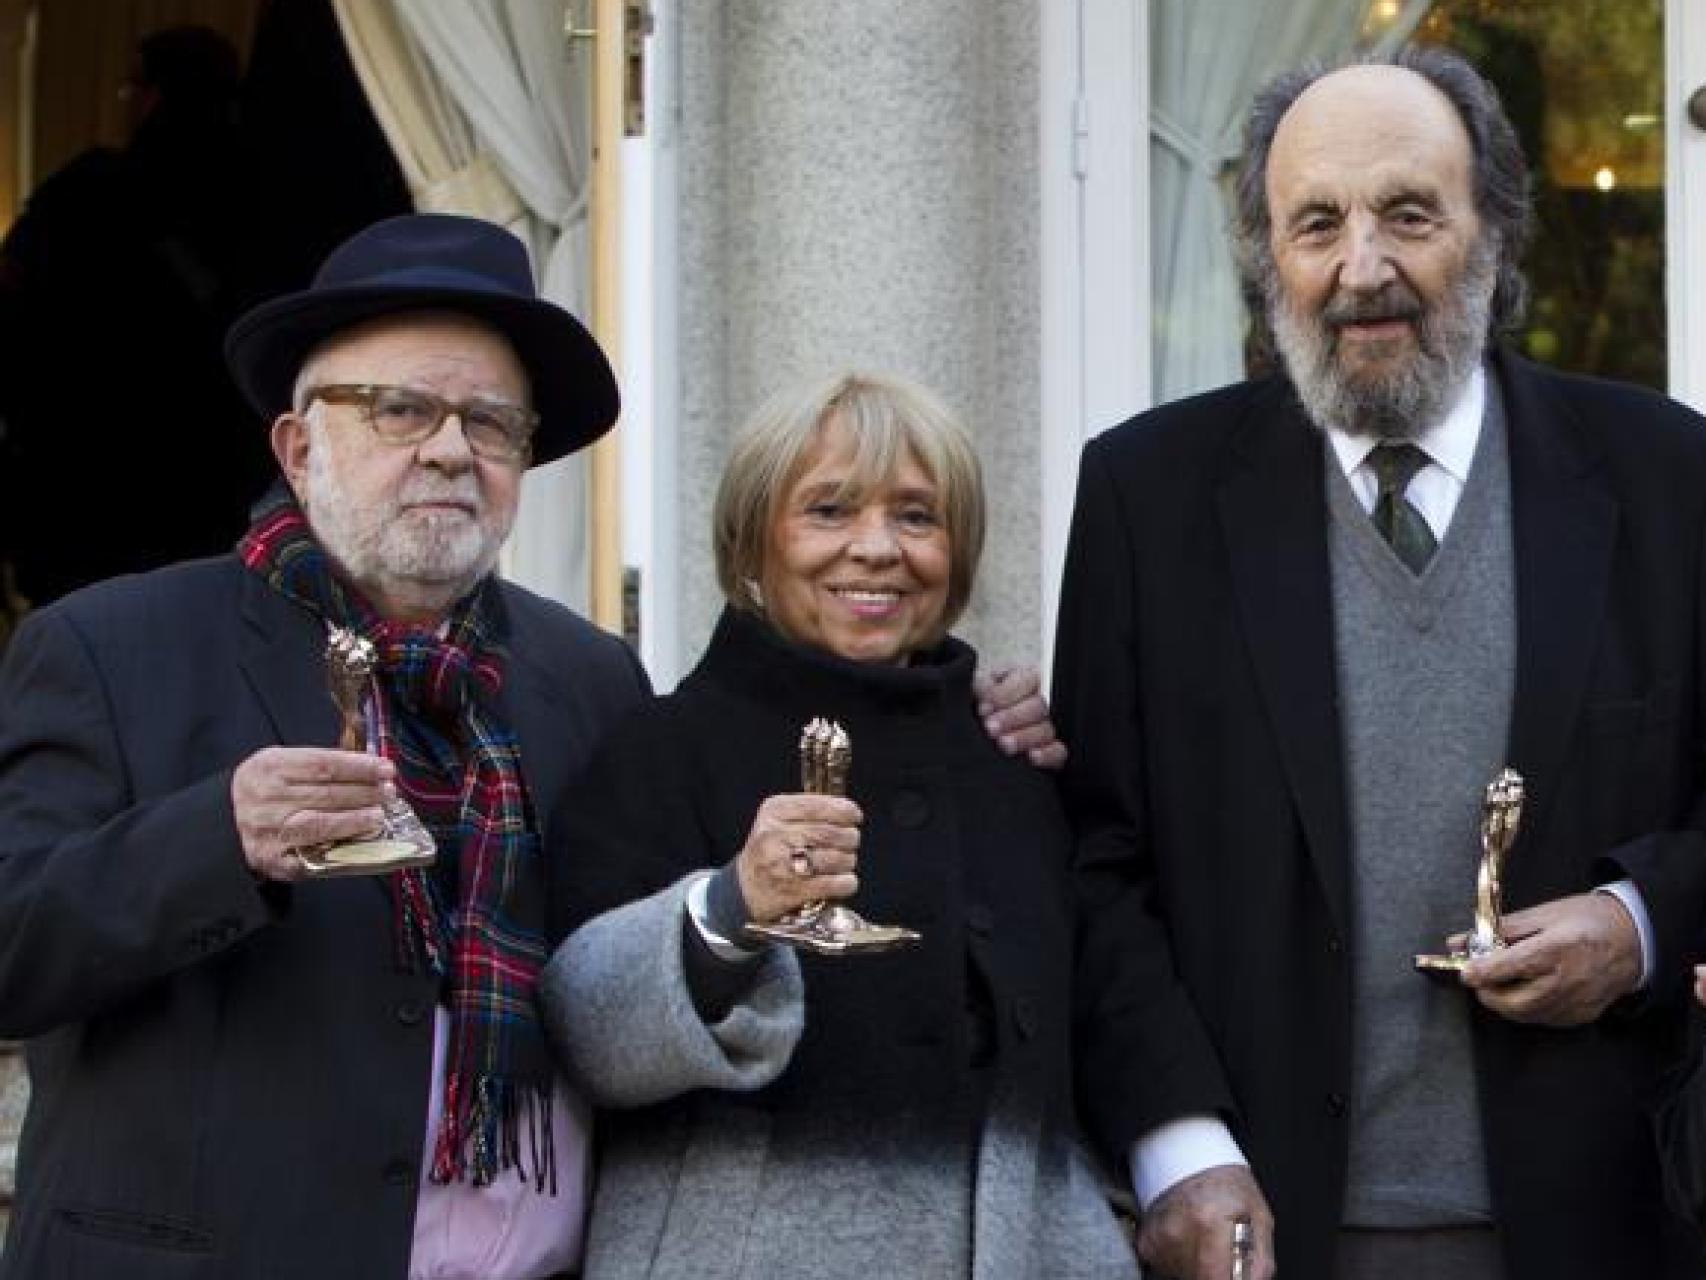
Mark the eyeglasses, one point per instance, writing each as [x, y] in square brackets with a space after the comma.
[403, 415]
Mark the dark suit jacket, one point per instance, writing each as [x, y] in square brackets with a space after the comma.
[1195, 681]
[229, 1080]
[1682, 1140]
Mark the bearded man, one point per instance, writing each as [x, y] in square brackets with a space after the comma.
[1305, 620]
[232, 1069]
[236, 1072]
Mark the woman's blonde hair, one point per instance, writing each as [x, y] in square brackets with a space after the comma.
[883, 417]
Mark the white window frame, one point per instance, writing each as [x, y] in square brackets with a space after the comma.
[1096, 284]
[651, 418]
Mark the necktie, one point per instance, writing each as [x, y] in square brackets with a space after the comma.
[1398, 521]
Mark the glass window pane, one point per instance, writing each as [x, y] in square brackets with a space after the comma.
[1583, 81]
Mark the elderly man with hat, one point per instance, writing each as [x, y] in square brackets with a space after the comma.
[239, 1072]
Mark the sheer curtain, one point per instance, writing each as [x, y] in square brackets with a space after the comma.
[1207, 58]
[477, 101]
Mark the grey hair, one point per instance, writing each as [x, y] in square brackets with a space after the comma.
[306, 379]
[1499, 173]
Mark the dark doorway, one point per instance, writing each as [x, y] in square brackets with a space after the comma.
[194, 158]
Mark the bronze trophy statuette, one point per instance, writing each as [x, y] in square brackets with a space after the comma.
[1501, 813]
[826, 754]
[402, 841]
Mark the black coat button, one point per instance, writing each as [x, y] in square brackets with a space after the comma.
[410, 1012]
[1025, 1016]
[1336, 1105]
[910, 808]
[399, 1172]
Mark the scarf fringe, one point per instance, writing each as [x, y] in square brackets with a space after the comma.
[481, 1135]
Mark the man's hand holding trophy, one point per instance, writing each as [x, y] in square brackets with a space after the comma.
[402, 840]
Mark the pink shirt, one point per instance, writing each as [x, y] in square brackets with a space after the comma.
[505, 1231]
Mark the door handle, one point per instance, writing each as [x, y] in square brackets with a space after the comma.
[1697, 107]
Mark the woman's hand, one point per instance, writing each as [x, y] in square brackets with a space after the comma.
[802, 848]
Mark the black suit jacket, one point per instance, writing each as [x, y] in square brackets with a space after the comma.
[229, 1079]
[1195, 681]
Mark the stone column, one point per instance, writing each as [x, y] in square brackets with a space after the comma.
[859, 186]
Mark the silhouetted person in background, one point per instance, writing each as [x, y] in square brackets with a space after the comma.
[116, 285]
[324, 146]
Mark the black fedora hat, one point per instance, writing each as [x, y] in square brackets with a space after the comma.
[441, 262]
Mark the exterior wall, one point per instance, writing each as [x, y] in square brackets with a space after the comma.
[859, 185]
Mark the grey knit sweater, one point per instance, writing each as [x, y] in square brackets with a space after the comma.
[1426, 671]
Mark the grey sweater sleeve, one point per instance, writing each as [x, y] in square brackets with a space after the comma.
[621, 1017]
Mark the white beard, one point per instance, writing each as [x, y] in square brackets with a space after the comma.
[1450, 339]
[394, 552]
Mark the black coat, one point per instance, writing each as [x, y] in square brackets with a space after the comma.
[229, 1080]
[1195, 683]
[959, 842]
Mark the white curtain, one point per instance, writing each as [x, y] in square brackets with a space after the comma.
[1207, 58]
[478, 99]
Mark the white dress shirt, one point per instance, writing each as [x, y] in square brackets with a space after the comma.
[1450, 447]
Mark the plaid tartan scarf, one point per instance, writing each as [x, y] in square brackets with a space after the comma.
[436, 715]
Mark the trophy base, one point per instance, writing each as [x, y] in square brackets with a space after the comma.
[1452, 963]
[833, 931]
[404, 843]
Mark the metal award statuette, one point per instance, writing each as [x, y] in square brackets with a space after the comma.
[402, 841]
[1501, 812]
[826, 753]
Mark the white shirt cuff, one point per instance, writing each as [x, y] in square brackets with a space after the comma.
[1626, 893]
[721, 947]
[1175, 1151]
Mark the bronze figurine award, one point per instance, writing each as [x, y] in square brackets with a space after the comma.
[826, 754]
[402, 841]
[1501, 812]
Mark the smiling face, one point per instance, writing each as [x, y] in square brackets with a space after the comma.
[861, 571]
[416, 526]
[1382, 280]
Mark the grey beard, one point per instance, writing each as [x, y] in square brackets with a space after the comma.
[1450, 340]
[429, 565]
